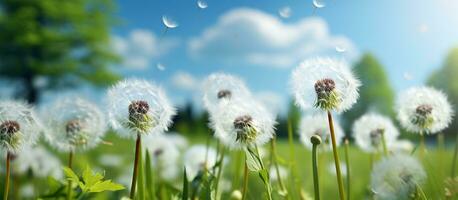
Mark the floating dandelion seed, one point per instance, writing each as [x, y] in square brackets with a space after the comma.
[197, 159]
[243, 123]
[397, 177]
[138, 107]
[169, 22]
[160, 66]
[316, 124]
[407, 76]
[75, 124]
[285, 12]
[19, 126]
[223, 88]
[202, 4]
[424, 110]
[317, 4]
[371, 130]
[341, 49]
[325, 84]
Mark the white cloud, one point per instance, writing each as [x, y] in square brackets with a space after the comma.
[249, 36]
[140, 47]
[185, 81]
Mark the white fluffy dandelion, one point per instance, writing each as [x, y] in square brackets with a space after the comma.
[38, 161]
[243, 123]
[325, 84]
[164, 155]
[138, 107]
[402, 146]
[317, 124]
[74, 124]
[397, 177]
[198, 158]
[220, 87]
[19, 126]
[371, 129]
[178, 139]
[424, 110]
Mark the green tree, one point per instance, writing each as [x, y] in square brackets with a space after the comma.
[62, 42]
[376, 93]
[445, 80]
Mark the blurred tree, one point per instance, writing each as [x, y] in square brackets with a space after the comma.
[49, 44]
[445, 80]
[375, 93]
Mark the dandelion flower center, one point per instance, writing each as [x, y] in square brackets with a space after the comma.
[327, 97]
[423, 116]
[139, 119]
[9, 128]
[74, 132]
[376, 136]
[158, 152]
[224, 94]
[244, 128]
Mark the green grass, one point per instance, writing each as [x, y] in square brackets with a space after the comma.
[437, 164]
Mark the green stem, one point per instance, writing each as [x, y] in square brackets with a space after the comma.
[277, 168]
[455, 155]
[336, 157]
[292, 159]
[385, 148]
[263, 167]
[245, 180]
[7, 179]
[422, 145]
[138, 145]
[422, 193]
[220, 170]
[70, 164]
[347, 162]
[316, 183]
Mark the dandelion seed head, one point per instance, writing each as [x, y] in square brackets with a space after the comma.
[369, 129]
[138, 107]
[241, 124]
[198, 158]
[164, 155]
[325, 84]
[424, 110]
[221, 88]
[74, 124]
[19, 126]
[317, 125]
[396, 177]
[38, 161]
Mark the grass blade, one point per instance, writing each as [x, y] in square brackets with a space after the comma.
[149, 177]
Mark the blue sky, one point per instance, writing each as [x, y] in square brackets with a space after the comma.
[249, 38]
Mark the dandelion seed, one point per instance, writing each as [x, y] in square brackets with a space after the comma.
[19, 126]
[325, 84]
[221, 88]
[160, 67]
[75, 124]
[138, 107]
[285, 12]
[341, 49]
[316, 124]
[397, 177]
[202, 4]
[317, 4]
[371, 129]
[241, 124]
[169, 22]
[197, 159]
[424, 110]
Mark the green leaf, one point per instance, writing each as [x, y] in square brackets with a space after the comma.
[185, 194]
[71, 176]
[107, 185]
[91, 178]
[264, 174]
[149, 177]
[252, 160]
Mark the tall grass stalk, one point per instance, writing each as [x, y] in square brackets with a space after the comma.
[336, 157]
[7, 176]
[455, 155]
[292, 159]
[316, 140]
[70, 187]
[245, 180]
[138, 146]
[220, 168]
[265, 179]
[283, 189]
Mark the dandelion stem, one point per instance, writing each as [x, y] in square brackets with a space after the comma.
[455, 155]
[263, 167]
[138, 144]
[347, 162]
[316, 183]
[336, 157]
[70, 164]
[220, 169]
[277, 170]
[245, 180]
[7, 177]
[385, 148]
[422, 145]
